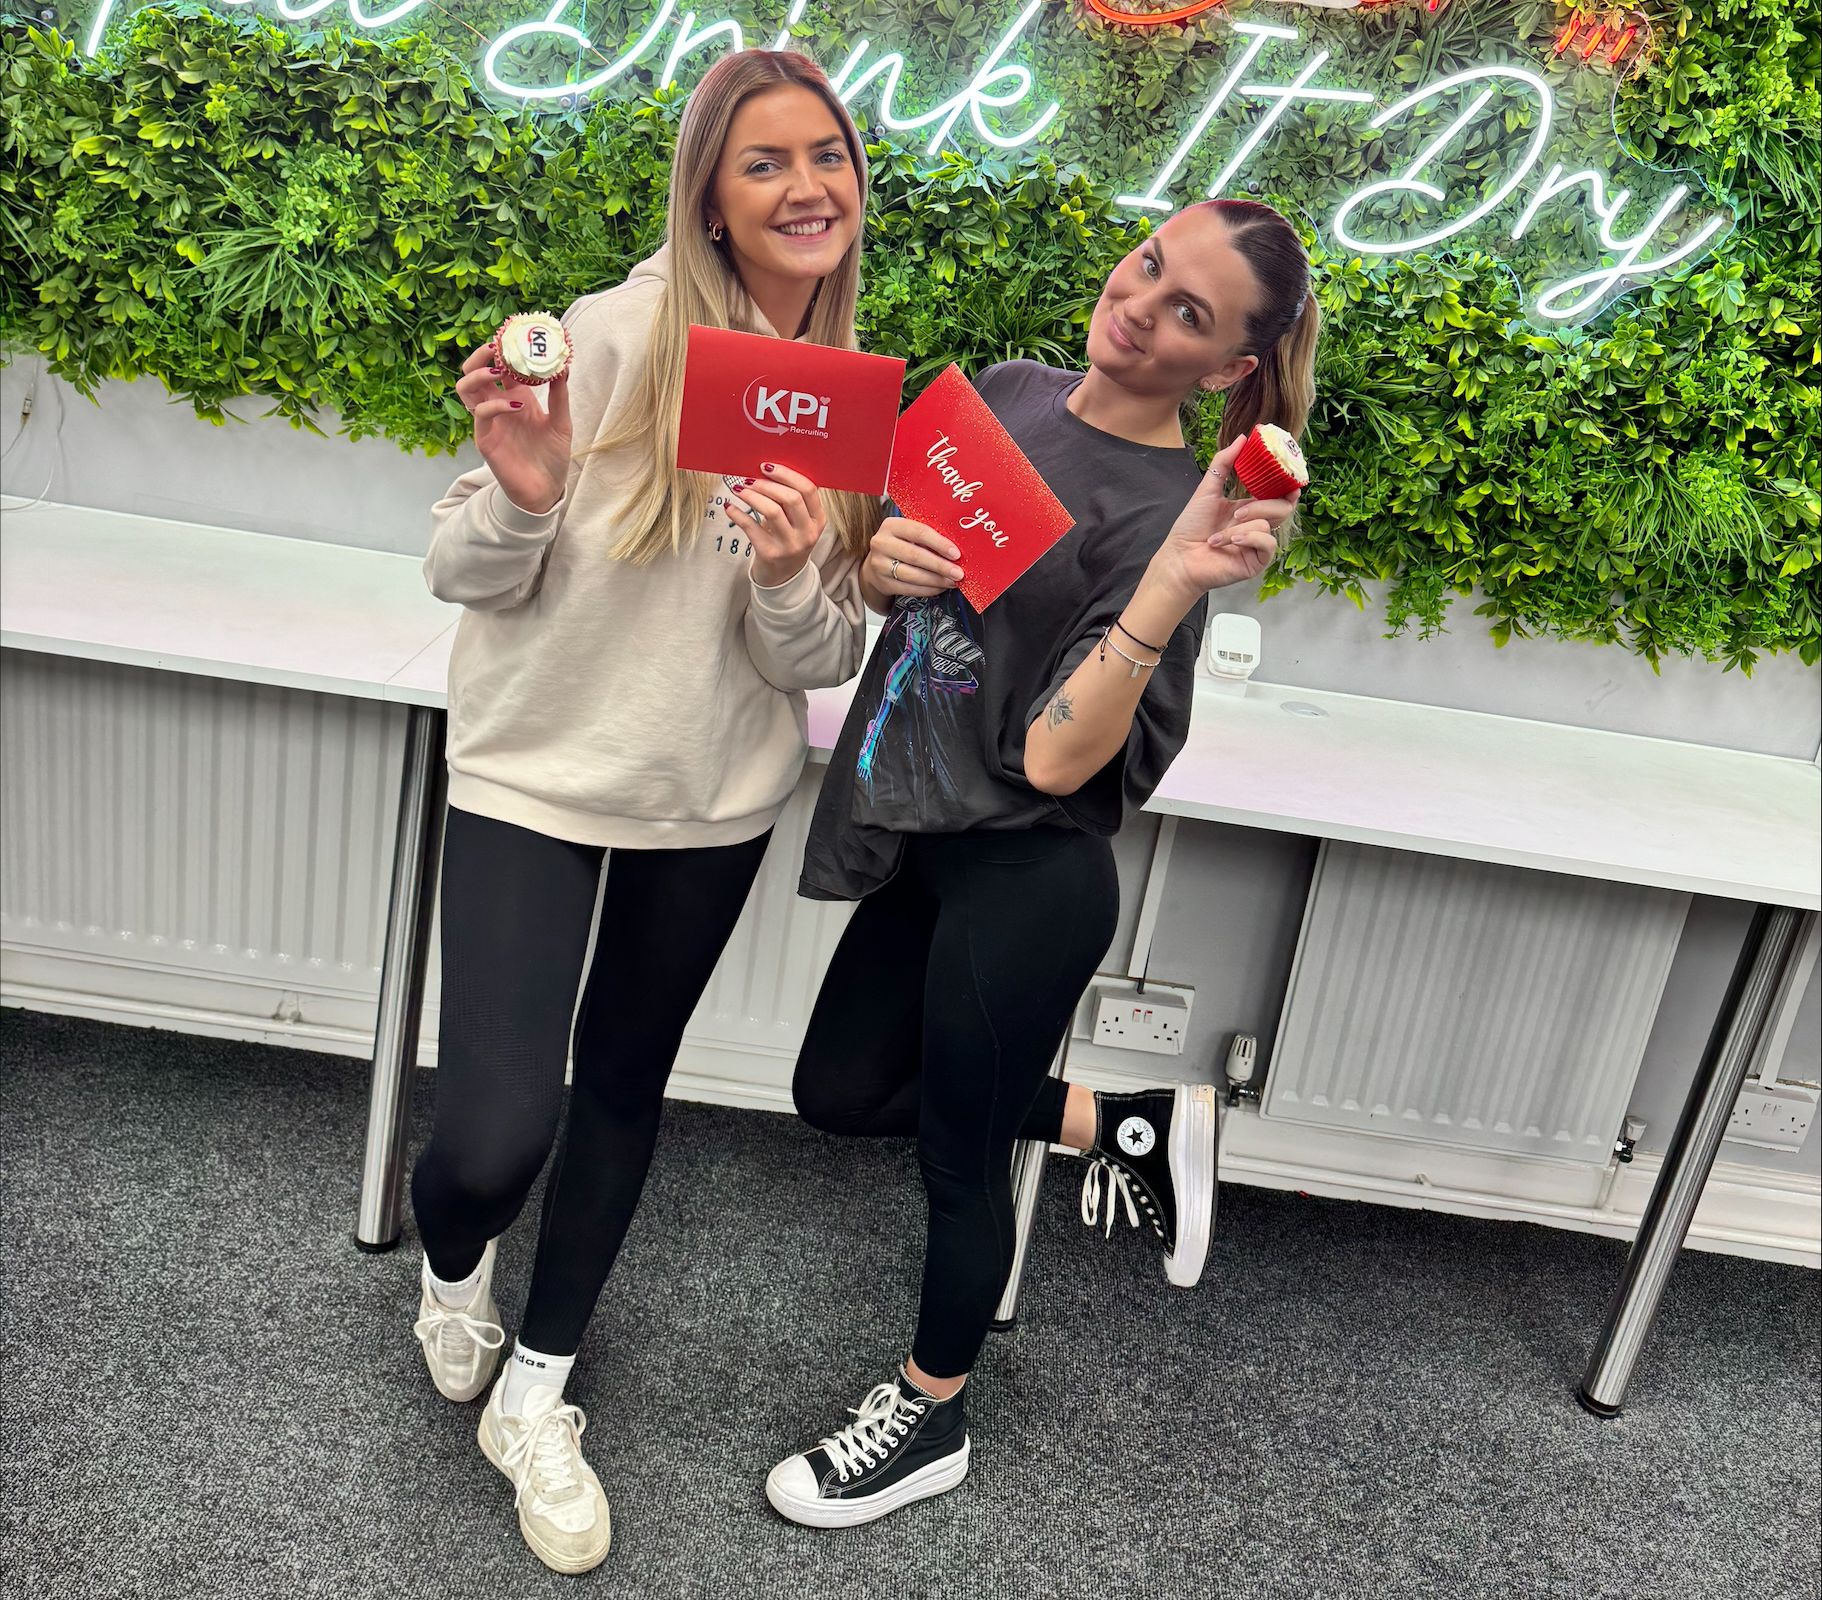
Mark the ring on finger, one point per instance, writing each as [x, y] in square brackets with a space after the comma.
[892, 571]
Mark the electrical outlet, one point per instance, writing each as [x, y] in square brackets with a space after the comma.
[1774, 1119]
[1155, 1020]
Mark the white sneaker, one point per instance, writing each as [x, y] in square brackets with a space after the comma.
[562, 1506]
[461, 1348]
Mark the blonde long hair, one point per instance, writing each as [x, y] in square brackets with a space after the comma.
[667, 505]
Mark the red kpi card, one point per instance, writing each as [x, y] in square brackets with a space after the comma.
[826, 413]
[955, 469]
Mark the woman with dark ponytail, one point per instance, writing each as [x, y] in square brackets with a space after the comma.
[970, 804]
[1282, 331]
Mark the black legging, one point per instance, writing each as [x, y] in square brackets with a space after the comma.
[516, 912]
[940, 1015]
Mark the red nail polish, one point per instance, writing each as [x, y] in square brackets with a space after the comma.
[517, 405]
[766, 466]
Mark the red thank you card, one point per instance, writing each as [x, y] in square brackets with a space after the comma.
[823, 412]
[955, 469]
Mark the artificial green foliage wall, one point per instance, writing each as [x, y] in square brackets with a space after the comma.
[330, 223]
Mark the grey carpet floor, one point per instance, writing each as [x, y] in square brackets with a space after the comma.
[209, 1392]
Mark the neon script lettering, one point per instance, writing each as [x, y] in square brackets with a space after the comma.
[997, 105]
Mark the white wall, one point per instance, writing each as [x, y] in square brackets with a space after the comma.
[1230, 917]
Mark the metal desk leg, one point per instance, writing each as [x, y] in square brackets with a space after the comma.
[416, 855]
[1772, 942]
[1027, 1178]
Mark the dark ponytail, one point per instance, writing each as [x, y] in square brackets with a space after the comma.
[1282, 333]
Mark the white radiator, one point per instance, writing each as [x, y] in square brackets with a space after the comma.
[196, 823]
[1485, 1007]
[238, 840]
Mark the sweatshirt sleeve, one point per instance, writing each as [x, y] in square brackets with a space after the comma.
[485, 552]
[809, 632]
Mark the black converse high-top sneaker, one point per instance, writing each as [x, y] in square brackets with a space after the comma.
[1156, 1151]
[902, 1445]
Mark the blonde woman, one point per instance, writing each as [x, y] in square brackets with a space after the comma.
[627, 687]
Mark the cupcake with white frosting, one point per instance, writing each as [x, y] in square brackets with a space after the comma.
[533, 347]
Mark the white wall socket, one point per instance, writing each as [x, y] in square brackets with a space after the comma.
[1155, 1020]
[1774, 1119]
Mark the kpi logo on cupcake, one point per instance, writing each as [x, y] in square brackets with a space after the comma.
[533, 347]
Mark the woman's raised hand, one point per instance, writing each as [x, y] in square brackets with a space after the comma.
[1217, 539]
[526, 446]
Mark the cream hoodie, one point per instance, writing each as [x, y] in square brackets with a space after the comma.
[646, 707]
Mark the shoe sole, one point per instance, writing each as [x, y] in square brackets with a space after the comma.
[1194, 1132]
[556, 1563]
[484, 1374]
[937, 1478]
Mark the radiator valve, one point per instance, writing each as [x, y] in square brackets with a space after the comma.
[1242, 1058]
[1630, 1134]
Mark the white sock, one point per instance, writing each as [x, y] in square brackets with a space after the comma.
[528, 1370]
[456, 1296]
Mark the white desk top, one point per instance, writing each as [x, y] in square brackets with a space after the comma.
[1486, 788]
[424, 679]
[212, 601]
[1408, 777]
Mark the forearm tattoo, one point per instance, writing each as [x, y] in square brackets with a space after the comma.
[1060, 710]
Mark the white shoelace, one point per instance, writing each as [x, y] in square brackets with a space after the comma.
[1105, 1181]
[442, 1320]
[885, 1415]
[545, 1456]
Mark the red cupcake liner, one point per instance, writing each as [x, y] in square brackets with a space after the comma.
[1259, 472]
[512, 375]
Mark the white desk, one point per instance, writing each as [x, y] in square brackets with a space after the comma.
[184, 598]
[1409, 777]
[1528, 794]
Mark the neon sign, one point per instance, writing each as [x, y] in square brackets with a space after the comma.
[998, 106]
[1151, 19]
[1410, 183]
[1613, 39]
